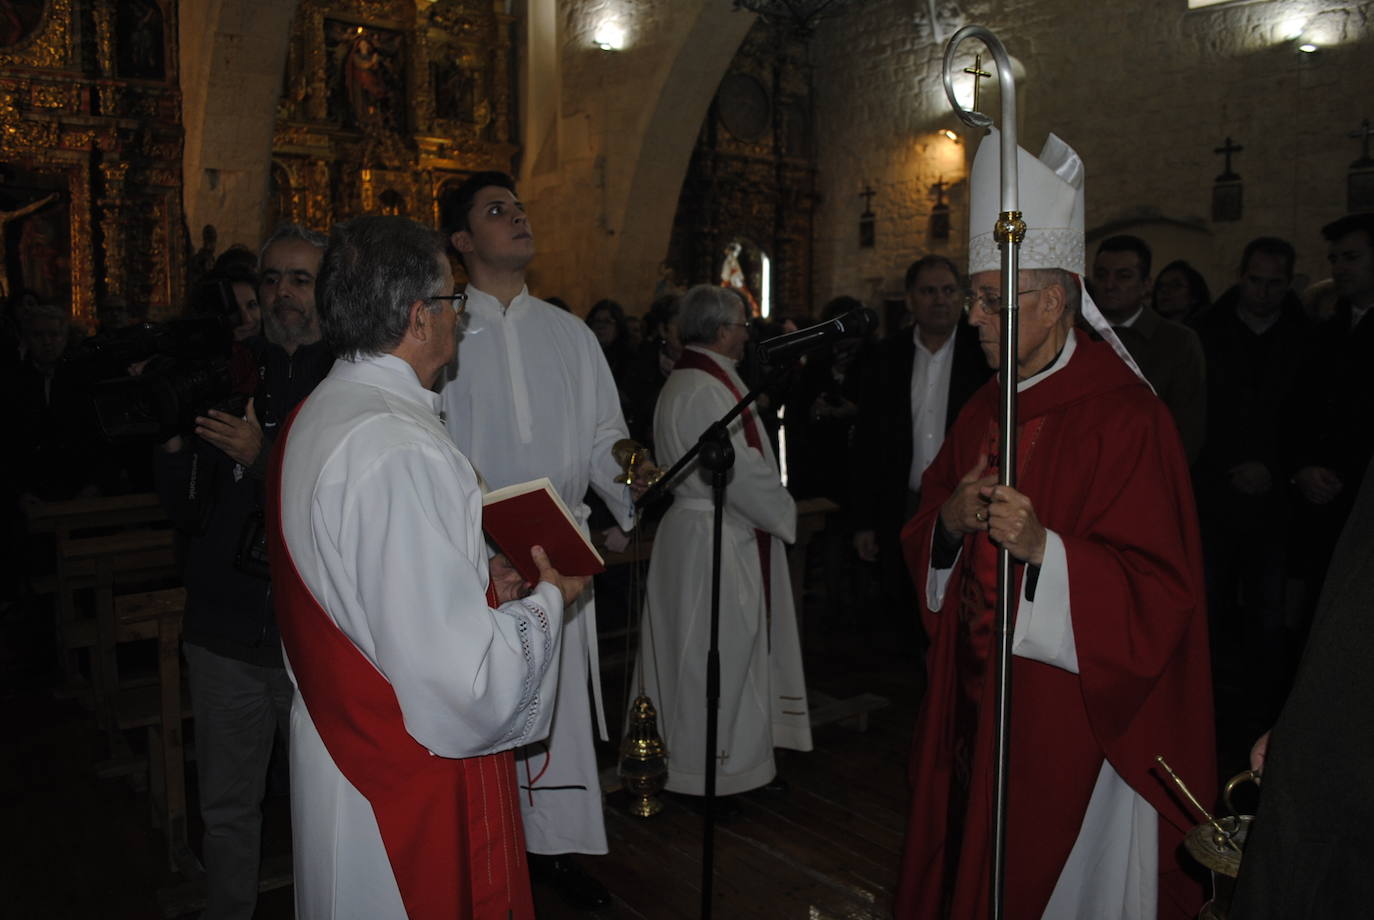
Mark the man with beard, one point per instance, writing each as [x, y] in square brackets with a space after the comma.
[212, 485]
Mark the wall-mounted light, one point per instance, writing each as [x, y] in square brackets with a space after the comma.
[950, 135]
[609, 36]
[1307, 47]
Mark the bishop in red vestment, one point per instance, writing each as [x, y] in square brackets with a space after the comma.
[1110, 661]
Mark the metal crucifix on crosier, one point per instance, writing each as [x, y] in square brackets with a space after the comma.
[1009, 231]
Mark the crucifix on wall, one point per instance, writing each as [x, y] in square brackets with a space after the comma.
[1359, 183]
[939, 215]
[1227, 203]
[867, 235]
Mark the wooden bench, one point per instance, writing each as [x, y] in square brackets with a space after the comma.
[78, 567]
[102, 564]
[160, 710]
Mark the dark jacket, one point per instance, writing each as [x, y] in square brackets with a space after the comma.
[1250, 384]
[1170, 357]
[217, 503]
[880, 463]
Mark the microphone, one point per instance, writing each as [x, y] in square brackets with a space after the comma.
[850, 325]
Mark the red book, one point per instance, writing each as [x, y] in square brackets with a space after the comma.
[531, 514]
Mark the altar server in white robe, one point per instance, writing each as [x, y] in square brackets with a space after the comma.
[532, 396]
[763, 692]
[381, 569]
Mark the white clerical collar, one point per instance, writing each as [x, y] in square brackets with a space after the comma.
[482, 303]
[1065, 353]
[390, 373]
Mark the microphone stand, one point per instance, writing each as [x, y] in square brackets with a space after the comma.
[718, 456]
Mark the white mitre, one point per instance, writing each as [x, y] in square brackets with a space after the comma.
[1050, 196]
[1051, 202]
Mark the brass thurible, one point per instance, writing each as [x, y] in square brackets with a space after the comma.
[632, 456]
[1218, 843]
[643, 759]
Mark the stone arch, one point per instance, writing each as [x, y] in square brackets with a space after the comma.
[667, 139]
[609, 136]
[233, 54]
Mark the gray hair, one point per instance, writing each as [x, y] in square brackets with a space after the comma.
[373, 270]
[292, 232]
[1073, 293]
[704, 310]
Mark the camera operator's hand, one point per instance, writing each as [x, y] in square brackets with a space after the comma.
[240, 438]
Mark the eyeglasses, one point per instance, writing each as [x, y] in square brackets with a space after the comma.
[458, 301]
[747, 324]
[991, 305]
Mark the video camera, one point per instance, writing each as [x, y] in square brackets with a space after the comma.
[184, 368]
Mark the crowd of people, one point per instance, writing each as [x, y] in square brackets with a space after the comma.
[1187, 467]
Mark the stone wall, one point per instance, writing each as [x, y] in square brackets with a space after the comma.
[233, 53]
[602, 185]
[1143, 89]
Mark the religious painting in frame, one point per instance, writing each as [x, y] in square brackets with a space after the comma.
[35, 208]
[366, 76]
[140, 40]
[461, 87]
[19, 19]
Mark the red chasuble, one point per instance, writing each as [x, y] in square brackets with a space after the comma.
[1101, 461]
[451, 827]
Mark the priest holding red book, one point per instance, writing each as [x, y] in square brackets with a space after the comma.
[419, 665]
[1110, 657]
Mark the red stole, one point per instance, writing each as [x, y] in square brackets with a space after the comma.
[696, 361]
[451, 827]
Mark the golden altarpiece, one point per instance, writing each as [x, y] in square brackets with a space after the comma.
[388, 104]
[744, 216]
[90, 155]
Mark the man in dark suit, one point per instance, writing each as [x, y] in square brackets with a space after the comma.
[1331, 437]
[1168, 353]
[911, 397]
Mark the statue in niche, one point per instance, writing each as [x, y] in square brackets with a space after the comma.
[204, 259]
[139, 40]
[733, 277]
[42, 260]
[278, 195]
[12, 225]
[366, 77]
[457, 88]
[391, 204]
[18, 19]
